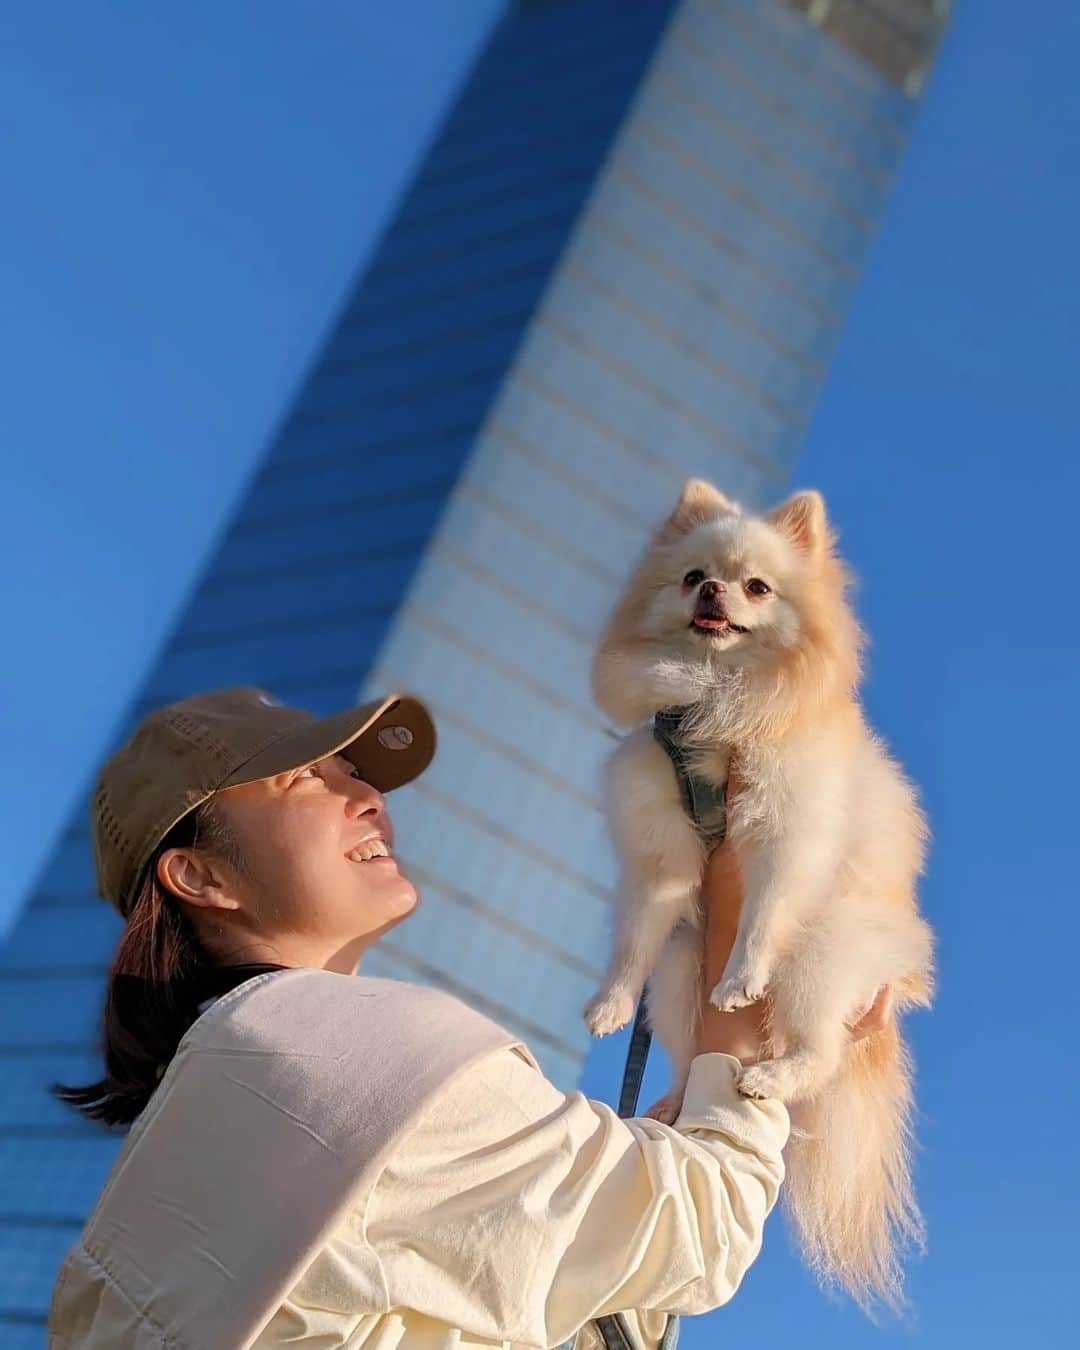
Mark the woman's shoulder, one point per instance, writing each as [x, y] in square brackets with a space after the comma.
[307, 1010]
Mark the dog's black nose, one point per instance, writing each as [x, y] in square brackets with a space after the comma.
[711, 587]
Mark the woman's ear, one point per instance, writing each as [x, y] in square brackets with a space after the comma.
[802, 520]
[190, 876]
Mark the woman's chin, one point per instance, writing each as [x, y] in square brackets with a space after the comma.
[409, 899]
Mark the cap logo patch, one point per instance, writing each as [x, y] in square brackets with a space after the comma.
[395, 738]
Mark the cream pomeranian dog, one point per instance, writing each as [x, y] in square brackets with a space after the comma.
[742, 623]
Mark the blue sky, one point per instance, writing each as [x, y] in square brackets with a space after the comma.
[945, 444]
[182, 184]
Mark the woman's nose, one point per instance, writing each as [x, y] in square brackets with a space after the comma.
[364, 799]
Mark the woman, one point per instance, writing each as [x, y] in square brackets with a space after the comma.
[320, 1156]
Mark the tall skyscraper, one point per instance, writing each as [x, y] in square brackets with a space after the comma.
[625, 261]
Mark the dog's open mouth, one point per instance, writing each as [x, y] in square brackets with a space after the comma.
[715, 623]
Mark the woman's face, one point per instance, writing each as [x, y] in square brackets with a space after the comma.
[309, 900]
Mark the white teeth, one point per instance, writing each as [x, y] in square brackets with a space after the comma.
[372, 848]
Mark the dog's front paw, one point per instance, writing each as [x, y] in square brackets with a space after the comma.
[737, 991]
[608, 1011]
[764, 1080]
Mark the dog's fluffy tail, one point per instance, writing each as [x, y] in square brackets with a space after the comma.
[848, 1189]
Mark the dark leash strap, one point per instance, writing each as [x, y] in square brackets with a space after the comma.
[636, 1055]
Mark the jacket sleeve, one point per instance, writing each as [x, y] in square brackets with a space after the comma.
[516, 1211]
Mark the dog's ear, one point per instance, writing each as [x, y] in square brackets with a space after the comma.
[698, 502]
[802, 519]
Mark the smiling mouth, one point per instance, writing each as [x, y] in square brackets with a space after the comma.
[370, 851]
[715, 623]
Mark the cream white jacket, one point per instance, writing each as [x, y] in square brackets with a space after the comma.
[359, 1196]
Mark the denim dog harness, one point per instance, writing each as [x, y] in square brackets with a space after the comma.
[706, 805]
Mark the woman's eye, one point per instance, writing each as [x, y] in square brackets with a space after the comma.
[694, 578]
[315, 771]
[758, 587]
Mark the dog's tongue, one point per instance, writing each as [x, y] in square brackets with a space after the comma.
[706, 622]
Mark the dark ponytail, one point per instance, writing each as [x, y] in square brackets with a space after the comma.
[158, 977]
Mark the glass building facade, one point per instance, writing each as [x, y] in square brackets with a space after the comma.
[626, 260]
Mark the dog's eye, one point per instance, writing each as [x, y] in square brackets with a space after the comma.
[758, 587]
[694, 578]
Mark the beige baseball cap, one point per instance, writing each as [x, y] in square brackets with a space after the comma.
[184, 752]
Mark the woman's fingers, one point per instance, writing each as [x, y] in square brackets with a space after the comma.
[875, 1015]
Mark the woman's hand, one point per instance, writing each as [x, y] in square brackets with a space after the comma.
[744, 1032]
[875, 1016]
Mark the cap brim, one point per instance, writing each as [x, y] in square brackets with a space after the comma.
[390, 740]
